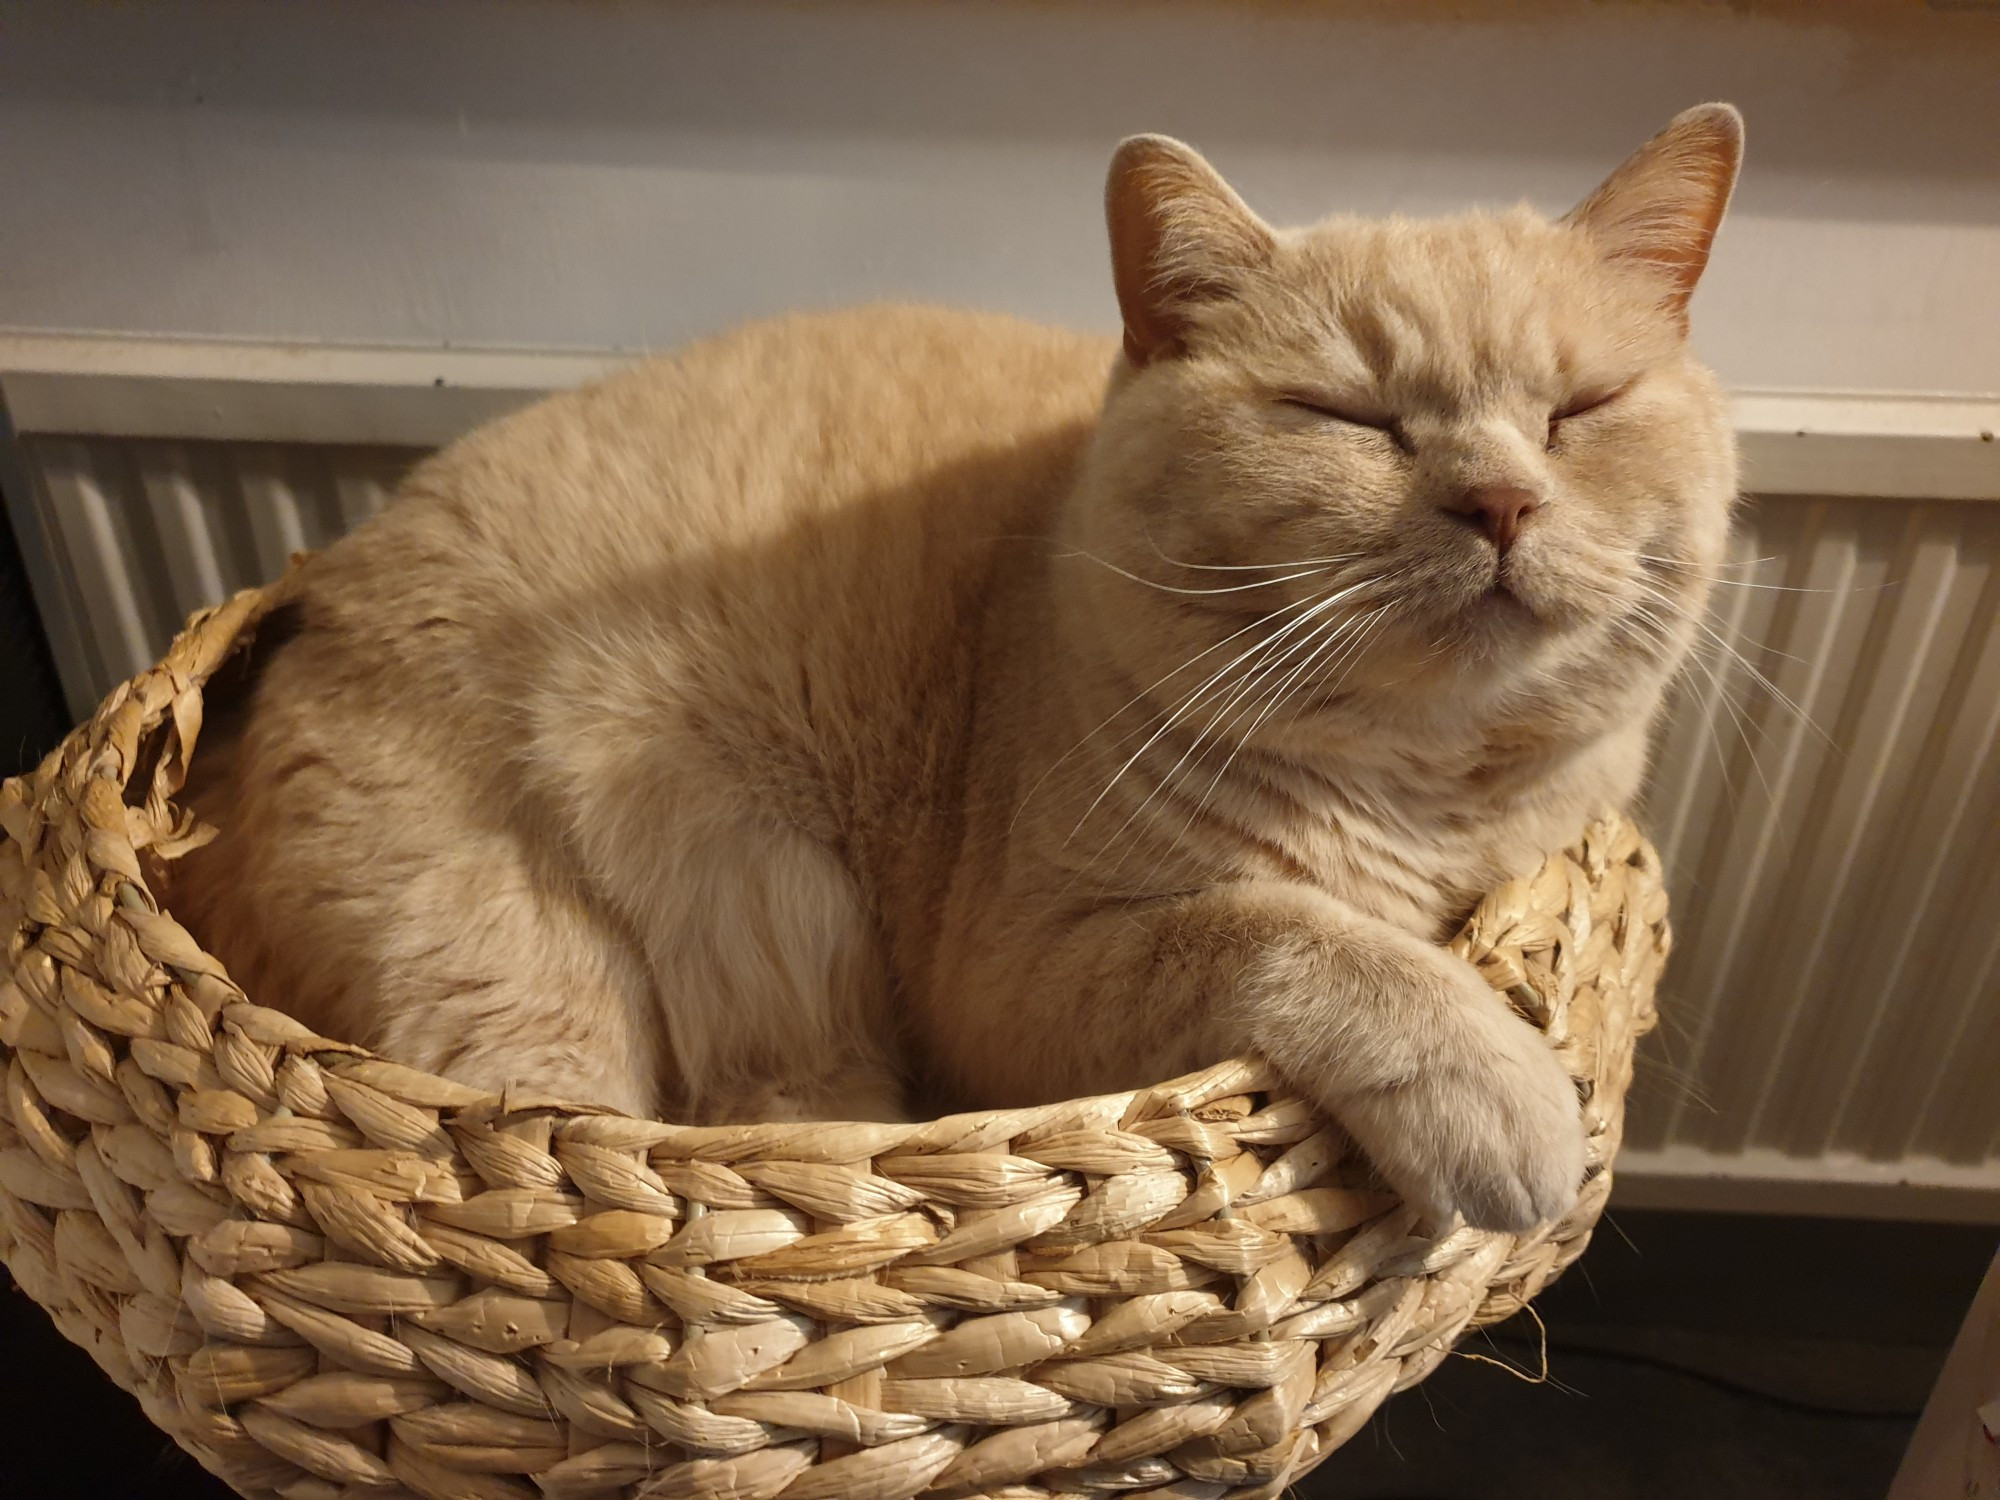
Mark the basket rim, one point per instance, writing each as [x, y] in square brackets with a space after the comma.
[98, 971]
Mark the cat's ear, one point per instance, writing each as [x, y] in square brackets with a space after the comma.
[1658, 213]
[1179, 237]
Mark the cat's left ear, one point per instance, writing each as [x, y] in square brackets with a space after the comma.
[1180, 237]
[1658, 213]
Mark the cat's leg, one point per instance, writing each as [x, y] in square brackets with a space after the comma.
[517, 986]
[357, 887]
[684, 813]
[1459, 1102]
[773, 991]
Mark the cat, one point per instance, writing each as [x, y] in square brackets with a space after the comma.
[900, 708]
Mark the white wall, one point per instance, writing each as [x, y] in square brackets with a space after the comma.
[621, 175]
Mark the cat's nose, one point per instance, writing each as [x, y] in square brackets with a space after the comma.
[1497, 509]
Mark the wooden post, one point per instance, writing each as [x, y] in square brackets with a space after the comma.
[1955, 1452]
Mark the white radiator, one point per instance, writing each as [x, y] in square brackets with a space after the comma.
[146, 531]
[1831, 1016]
[1831, 1032]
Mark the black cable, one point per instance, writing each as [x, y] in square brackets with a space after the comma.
[1705, 1377]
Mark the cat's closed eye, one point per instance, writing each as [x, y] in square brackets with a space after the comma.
[1331, 408]
[1582, 404]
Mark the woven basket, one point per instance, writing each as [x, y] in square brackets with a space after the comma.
[324, 1273]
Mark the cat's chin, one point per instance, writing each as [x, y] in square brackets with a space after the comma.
[1482, 640]
[1498, 616]
[1503, 603]
[1528, 602]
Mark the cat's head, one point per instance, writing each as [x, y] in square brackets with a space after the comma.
[1454, 458]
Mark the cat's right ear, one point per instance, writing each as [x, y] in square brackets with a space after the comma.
[1180, 237]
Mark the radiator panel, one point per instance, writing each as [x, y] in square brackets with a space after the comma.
[1834, 988]
[1832, 1013]
[150, 531]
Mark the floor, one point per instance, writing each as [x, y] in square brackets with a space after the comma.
[1690, 1358]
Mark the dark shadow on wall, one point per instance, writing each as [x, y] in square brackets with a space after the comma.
[32, 715]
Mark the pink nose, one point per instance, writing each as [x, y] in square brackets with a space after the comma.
[1497, 509]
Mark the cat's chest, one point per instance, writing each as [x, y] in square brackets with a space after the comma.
[1414, 856]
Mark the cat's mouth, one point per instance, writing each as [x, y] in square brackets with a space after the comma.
[1530, 600]
[1514, 603]
[1502, 594]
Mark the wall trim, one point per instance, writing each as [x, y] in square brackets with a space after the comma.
[1837, 1185]
[1884, 445]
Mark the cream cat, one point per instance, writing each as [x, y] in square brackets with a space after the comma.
[873, 700]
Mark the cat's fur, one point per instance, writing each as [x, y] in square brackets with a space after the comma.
[869, 700]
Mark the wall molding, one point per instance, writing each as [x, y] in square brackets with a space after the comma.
[1912, 446]
[1836, 1185]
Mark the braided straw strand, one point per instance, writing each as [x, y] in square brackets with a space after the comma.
[326, 1274]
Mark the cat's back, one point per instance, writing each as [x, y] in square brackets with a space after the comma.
[719, 446]
[748, 554]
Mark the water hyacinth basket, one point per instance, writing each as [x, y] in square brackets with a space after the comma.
[325, 1274]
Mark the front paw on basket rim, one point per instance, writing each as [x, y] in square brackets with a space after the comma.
[1505, 1151]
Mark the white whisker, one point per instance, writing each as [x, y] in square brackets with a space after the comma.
[1674, 562]
[1689, 570]
[1354, 630]
[1188, 704]
[1351, 631]
[1268, 652]
[1146, 692]
[1303, 562]
[1167, 588]
[1748, 666]
[1314, 648]
[1739, 720]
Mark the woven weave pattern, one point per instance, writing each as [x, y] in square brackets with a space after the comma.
[326, 1274]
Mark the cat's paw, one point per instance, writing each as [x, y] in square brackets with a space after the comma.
[1490, 1130]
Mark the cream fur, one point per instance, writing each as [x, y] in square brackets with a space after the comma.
[813, 723]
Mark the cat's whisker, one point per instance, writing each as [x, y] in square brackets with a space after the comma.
[1143, 695]
[1303, 562]
[1351, 658]
[1350, 663]
[1266, 703]
[1681, 1085]
[1189, 703]
[1681, 611]
[1650, 630]
[1270, 645]
[1675, 562]
[1311, 649]
[1341, 642]
[1690, 571]
[1346, 665]
[1354, 631]
[1168, 588]
[1342, 662]
[1226, 719]
[1658, 630]
[1738, 719]
[1787, 588]
[1706, 699]
[1756, 674]
[1221, 731]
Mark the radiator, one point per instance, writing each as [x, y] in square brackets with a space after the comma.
[142, 533]
[1826, 794]
[1831, 1016]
